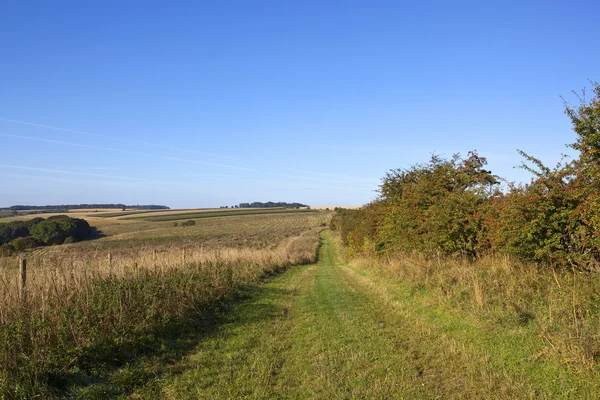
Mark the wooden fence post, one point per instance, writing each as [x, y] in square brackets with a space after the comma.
[184, 256]
[23, 278]
[109, 264]
[154, 259]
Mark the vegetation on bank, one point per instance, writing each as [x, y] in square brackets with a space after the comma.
[17, 236]
[520, 261]
[457, 207]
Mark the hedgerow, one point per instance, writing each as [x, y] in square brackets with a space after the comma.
[457, 207]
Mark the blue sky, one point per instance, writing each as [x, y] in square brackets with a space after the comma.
[201, 104]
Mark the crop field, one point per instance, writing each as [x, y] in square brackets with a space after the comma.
[153, 212]
[90, 215]
[211, 214]
[116, 294]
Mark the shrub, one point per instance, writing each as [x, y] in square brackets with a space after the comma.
[7, 250]
[455, 207]
[25, 243]
[56, 229]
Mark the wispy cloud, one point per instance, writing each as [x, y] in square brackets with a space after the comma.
[156, 145]
[89, 146]
[63, 179]
[74, 173]
[125, 151]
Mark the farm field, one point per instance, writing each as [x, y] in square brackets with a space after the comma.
[154, 212]
[93, 216]
[123, 294]
[240, 306]
[106, 217]
[219, 213]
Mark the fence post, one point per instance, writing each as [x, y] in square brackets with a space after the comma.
[184, 256]
[23, 278]
[109, 264]
[154, 259]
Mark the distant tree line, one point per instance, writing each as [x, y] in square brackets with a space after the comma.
[21, 235]
[80, 206]
[270, 204]
[457, 206]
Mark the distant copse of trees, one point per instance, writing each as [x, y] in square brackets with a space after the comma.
[270, 204]
[21, 235]
[85, 206]
[456, 206]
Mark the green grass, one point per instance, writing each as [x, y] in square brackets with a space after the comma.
[304, 334]
[331, 330]
[328, 330]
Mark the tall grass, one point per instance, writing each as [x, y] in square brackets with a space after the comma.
[82, 312]
[560, 308]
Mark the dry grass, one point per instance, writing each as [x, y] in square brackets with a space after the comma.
[53, 273]
[80, 307]
[561, 308]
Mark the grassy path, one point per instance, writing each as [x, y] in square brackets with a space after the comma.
[334, 332]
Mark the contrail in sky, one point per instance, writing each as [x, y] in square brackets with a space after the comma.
[125, 151]
[337, 179]
[58, 171]
[14, 121]
[70, 143]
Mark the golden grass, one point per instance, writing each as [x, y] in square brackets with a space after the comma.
[52, 273]
[80, 301]
[156, 247]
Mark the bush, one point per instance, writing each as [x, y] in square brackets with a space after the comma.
[26, 243]
[7, 250]
[455, 207]
[56, 229]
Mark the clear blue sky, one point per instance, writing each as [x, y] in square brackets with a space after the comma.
[200, 104]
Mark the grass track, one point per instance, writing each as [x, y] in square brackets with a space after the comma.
[305, 334]
[335, 332]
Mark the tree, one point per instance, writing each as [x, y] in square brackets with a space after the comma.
[49, 232]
